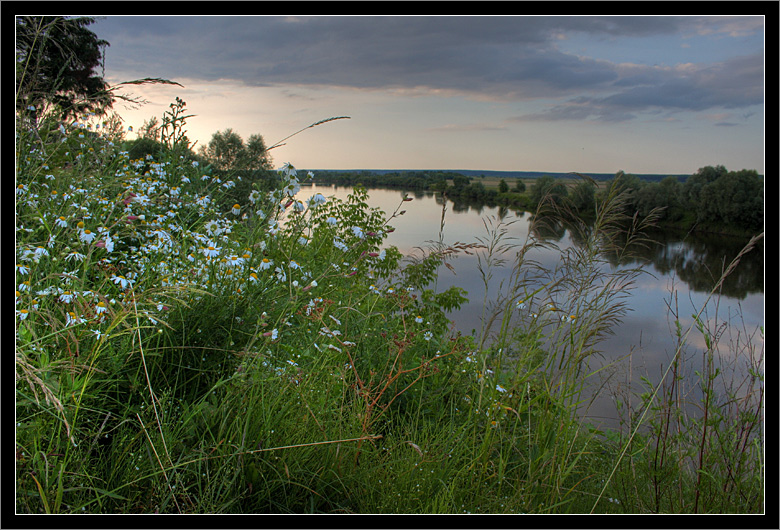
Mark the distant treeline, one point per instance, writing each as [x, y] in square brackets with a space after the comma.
[712, 199]
[472, 173]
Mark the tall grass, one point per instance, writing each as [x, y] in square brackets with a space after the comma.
[696, 442]
[181, 352]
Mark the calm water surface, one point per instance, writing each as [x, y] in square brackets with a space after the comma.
[644, 342]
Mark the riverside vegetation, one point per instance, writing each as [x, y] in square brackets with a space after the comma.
[194, 342]
[712, 200]
[184, 349]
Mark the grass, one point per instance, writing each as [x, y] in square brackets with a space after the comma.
[183, 350]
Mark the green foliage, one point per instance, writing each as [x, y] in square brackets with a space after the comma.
[227, 151]
[546, 188]
[583, 198]
[735, 199]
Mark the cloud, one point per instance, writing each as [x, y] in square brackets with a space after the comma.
[730, 84]
[367, 52]
[500, 58]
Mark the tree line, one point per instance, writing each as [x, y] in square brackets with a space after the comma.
[712, 199]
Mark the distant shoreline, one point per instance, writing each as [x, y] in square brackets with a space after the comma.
[507, 174]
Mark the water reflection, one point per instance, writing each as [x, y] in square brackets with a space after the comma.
[677, 265]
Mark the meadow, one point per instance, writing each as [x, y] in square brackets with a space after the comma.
[187, 343]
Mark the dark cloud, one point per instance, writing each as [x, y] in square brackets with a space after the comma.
[497, 57]
[734, 83]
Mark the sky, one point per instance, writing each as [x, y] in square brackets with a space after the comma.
[592, 94]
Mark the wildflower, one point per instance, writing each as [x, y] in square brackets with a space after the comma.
[254, 196]
[210, 251]
[100, 308]
[316, 200]
[212, 228]
[332, 221]
[236, 209]
[21, 314]
[234, 261]
[418, 319]
[428, 335]
[61, 222]
[294, 264]
[106, 243]
[86, 236]
[77, 256]
[500, 388]
[66, 297]
[292, 188]
[274, 334]
[340, 245]
[39, 253]
[22, 269]
[358, 232]
[265, 264]
[123, 282]
[253, 277]
[520, 304]
[289, 170]
[71, 319]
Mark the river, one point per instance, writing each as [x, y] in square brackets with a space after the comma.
[678, 271]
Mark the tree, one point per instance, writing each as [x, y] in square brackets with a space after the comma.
[460, 181]
[56, 59]
[546, 186]
[257, 156]
[694, 184]
[519, 185]
[670, 191]
[583, 197]
[503, 187]
[734, 199]
[226, 151]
